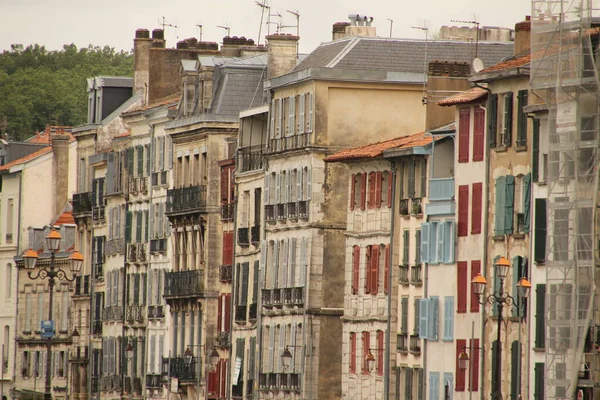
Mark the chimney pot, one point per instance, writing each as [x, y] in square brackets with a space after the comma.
[142, 34]
[158, 34]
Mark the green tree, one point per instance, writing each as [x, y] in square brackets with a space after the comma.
[40, 87]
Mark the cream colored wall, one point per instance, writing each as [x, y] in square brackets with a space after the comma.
[36, 206]
[443, 165]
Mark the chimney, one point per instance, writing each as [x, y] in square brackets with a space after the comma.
[444, 79]
[60, 168]
[523, 35]
[283, 54]
[339, 30]
[360, 26]
[141, 56]
[158, 38]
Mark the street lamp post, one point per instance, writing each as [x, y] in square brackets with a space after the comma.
[129, 357]
[53, 273]
[213, 360]
[501, 298]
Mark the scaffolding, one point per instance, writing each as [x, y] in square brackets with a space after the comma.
[564, 75]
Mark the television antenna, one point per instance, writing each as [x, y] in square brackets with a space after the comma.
[164, 25]
[476, 23]
[264, 6]
[200, 28]
[391, 25]
[226, 27]
[426, 30]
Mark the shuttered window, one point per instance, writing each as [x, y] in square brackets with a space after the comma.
[380, 352]
[374, 279]
[540, 317]
[352, 191]
[405, 247]
[477, 202]
[509, 201]
[505, 196]
[463, 210]
[424, 318]
[520, 270]
[408, 383]
[539, 246]
[425, 242]
[363, 190]
[372, 190]
[461, 345]
[462, 287]
[538, 381]
[386, 272]
[434, 385]
[492, 125]
[448, 384]
[448, 318]
[228, 248]
[404, 315]
[464, 120]
[368, 257]
[478, 132]
[515, 369]
[355, 269]
[366, 343]
[352, 352]
[411, 178]
[474, 365]
[378, 188]
[434, 318]
[535, 151]
[475, 270]
[521, 118]
[423, 177]
[508, 119]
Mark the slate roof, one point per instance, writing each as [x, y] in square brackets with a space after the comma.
[29, 157]
[401, 55]
[465, 97]
[376, 149]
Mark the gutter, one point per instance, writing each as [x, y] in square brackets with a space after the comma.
[387, 354]
[486, 239]
[233, 291]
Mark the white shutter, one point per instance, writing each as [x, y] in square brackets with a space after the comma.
[288, 186]
[292, 349]
[279, 118]
[108, 289]
[272, 121]
[284, 270]
[275, 264]
[301, 114]
[161, 350]
[111, 221]
[267, 182]
[263, 261]
[310, 112]
[152, 353]
[292, 115]
[151, 222]
[299, 182]
[292, 278]
[169, 152]
[309, 183]
[271, 346]
[302, 266]
[104, 356]
[278, 188]
[161, 153]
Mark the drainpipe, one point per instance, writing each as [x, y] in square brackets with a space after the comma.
[486, 239]
[386, 362]
[233, 283]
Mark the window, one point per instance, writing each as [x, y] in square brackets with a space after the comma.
[374, 187]
[584, 233]
[448, 318]
[463, 210]
[372, 269]
[366, 344]
[478, 132]
[539, 249]
[411, 178]
[355, 269]
[538, 385]
[405, 247]
[477, 202]
[423, 178]
[418, 247]
[462, 289]
[507, 113]
[9, 221]
[417, 317]
[540, 317]
[504, 206]
[429, 318]
[515, 369]
[464, 121]
[521, 118]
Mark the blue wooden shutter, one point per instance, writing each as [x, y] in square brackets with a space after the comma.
[441, 245]
[425, 242]
[434, 386]
[510, 204]
[500, 206]
[448, 318]
[449, 235]
[423, 318]
[433, 256]
[434, 318]
[526, 202]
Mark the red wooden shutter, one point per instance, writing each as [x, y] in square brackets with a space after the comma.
[380, 352]
[219, 314]
[476, 207]
[231, 184]
[390, 183]
[374, 269]
[363, 190]
[460, 374]
[378, 185]
[478, 135]
[222, 377]
[463, 210]
[372, 190]
[224, 185]
[227, 321]
[474, 367]
[386, 281]
[463, 134]
[227, 248]
[368, 258]
[352, 352]
[355, 268]
[366, 348]
[352, 191]
[462, 287]
[475, 270]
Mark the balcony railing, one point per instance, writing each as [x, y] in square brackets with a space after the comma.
[113, 313]
[280, 211]
[133, 185]
[250, 159]
[415, 344]
[255, 234]
[135, 314]
[243, 237]
[153, 381]
[402, 345]
[142, 254]
[222, 340]
[279, 382]
[227, 211]
[270, 213]
[95, 384]
[143, 184]
[132, 252]
[225, 273]
[82, 203]
[289, 142]
[176, 367]
[114, 246]
[403, 275]
[240, 314]
[184, 284]
[292, 210]
[156, 312]
[441, 189]
[111, 383]
[252, 313]
[280, 297]
[417, 206]
[97, 328]
[403, 209]
[303, 209]
[187, 199]
[415, 275]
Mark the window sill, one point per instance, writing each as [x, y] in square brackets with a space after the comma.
[539, 349]
[541, 183]
[540, 263]
[520, 148]
[475, 233]
[518, 236]
[500, 149]
[498, 238]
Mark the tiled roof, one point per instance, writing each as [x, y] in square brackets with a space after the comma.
[44, 136]
[399, 55]
[376, 149]
[167, 101]
[513, 62]
[65, 218]
[122, 135]
[28, 157]
[465, 97]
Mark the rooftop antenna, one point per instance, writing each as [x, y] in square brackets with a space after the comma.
[164, 24]
[391, 25]
[424, 98]
[226, 27]
[297, 26]
[276, 23]
[264, 6]
[200, 27]
[474, 22]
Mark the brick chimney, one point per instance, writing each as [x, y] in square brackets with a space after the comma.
[523, 35]
[141, 56]
[283, 54]
[444, 80]
[339, 30]
[60, 167]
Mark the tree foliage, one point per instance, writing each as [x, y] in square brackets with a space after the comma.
[39, 87]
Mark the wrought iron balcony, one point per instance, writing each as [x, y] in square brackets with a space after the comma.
[135, 314]
[240, 314]
[225, 273]
[143, 184]
[281, 212]
[303, 209]
[252, 313]
[227, 211]
[279, 382]
[186, 200]
[114, 246]
[402, 345]
[417, 206]
[95, 384]
[403, 275]
[415, 344]
[142, 254]
[292, 210]
[111, 383]
[132, 252]
[243, 238]
[441, 189]
[415, 275]
[82, 204]
[176, 367]
[255, 234]
[403, 209]
[223, 340]
[184, 284]
[156, 312]
[270, 213]
[97, 328]
[251, 159]
[113, 313]
[154, 381]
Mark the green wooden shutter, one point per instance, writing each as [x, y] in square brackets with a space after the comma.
[540, 316]
[404, 322]
[129, 154]
[255, 282]
[406, 246]
[500, 205]
[138, 227]
[535, 152]
[252, 357]
[417, 316]
[539, 249]
[401, 181]
[521, 118]
[128, 223]
[510, 204]
[508, 118]
[515, 369]
[423, 178]
[245, 270]
[492, 125]
[411, 179]
[539, 372]
[418, 247]
[526, 202]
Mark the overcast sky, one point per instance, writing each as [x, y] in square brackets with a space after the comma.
[113, 22]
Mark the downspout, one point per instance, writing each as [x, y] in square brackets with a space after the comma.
[386, 375]
[233, 282]
[14, 377]
[485, 258]
[124, 298]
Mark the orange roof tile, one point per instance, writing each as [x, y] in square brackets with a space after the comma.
[26, 158]
[122, 135]
[44, 136]
[376, 149]
[65, 218]
[167, 101]
[465, 97]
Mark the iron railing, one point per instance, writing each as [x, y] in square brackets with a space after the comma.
[415, 275]
[184, 283]
[403, 274]
[187, 199]
[82, 203]
[227, 211]
[243, 238]
[225, 273]
[255, 234]
[176, 367]
[250, 159]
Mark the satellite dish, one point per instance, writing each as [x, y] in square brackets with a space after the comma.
[477, 64]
